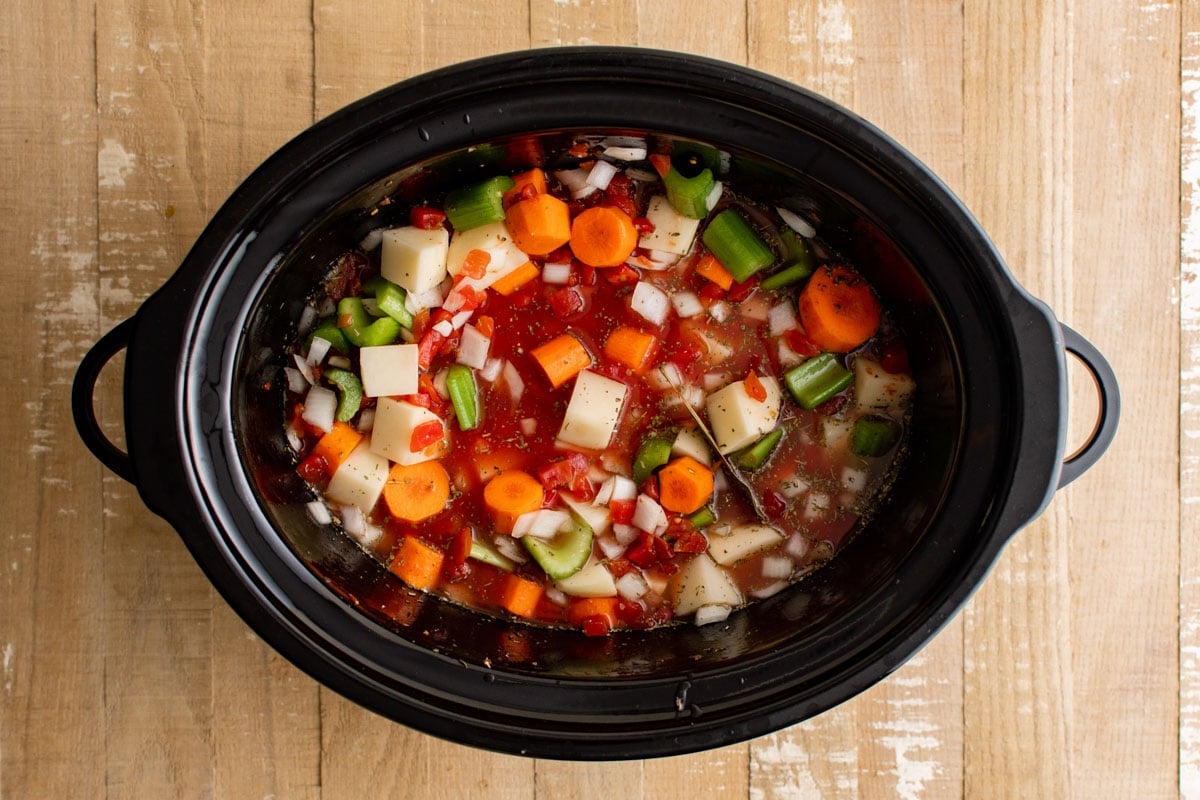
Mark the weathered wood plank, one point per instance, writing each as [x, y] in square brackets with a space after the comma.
[51, 676]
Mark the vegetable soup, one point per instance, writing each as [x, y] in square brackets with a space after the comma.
[604, 390]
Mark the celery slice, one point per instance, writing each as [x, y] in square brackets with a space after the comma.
[688, 196]
[817, 380]
[736, 245]
[478, 204]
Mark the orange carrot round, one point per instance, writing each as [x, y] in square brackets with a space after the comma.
[603, 236]
[539, 225]
[511, 494]
[684, 485]
[562, 358]
[838, 309]
[417, 491]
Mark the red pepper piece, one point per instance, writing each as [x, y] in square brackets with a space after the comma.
[650, 487]
[622, 511]
[596, 626]
[740, 291]
[428, 347]
[566, 302]
[426, 218]
[711, 292]
[643, 226]
[424, 435]
[754, 388]
[800, 344]
[314, 469]
[619, 275]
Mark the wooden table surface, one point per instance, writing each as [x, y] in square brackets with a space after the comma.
[1071, 128]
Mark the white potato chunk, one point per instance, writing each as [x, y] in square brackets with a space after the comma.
[414, 258]
[360, 478]
[673, 232]
[738, 420]
[690, 442]
[742, 541]
[594, 411]
[391, 436]
[878, 391]
[493, 239]
[389, 369]
[594, 580]
[702, 583]
[599, 518]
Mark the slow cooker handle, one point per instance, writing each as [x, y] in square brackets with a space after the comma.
[83, 393]
[1110, 406]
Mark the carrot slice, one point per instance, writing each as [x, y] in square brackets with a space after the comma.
[661, 164]
[838, 309]
[562, 358]
[535, 179]
[517, 278]
[417, 491]
[709, 267]
[630, 347]
[336, 446]
[511, 494]
[520, 596]
[539, 225]
[416, 563]
[583, 609]
[684, 485]
[603, 236]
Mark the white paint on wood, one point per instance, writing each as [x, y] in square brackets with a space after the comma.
[114, 163]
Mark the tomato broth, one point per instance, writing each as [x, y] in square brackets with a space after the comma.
[614, 394]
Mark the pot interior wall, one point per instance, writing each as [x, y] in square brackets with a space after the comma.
[811, 610]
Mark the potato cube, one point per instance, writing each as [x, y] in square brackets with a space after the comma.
[702, 583]
[878, 391]
[738, 420]
[493, 239]
[593, 412]
[594, 580]
[414, 258]
[360, 478]
[391, 436]
[389, 369]
[742, 541]
[673, 232]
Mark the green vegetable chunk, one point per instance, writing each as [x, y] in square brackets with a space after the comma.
[362, 331]
[873, 436]
[757, 454]
[689, 196]
[330, 332]
[817, 380]
[791, 274]
[736, 245]
[565, 554]
[350, 392]
[460, 384]
[653, 453]
[477, 204]
[702, 518]
[489, 555]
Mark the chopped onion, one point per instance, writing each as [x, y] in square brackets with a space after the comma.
[529, 426]
[556, 595]
[492, 369]
[787, 356]
[777, 567]
[510, 548]
[720, 481]
[632, 586]
[648, 515]
[370, 535]
[473, 348]
[461, 318]
[816, 506]
[714, 195]
[294, 439]
[625, 148]
[341, 362]
[720, 310]
[545, 523]
[584, 192]
[320, 406]
[366, 420]
[319, 512]
[610, 547]
[625, 534]
[326, 307]
[706, 615]
[295, 380]
[623, 488]
[573, 179]
[305, 369]
[715, 380]
[512, 377]
[781, 318]
[444, 328]
[793, 487]
[666, 376]
[853, 478]
[687, 304]
[635, 174]
[307, 317]
[317, 350]
[353, 520]
[602, 174]
[371, 240]
[556, 273]
[431, 298]
[651, 302]
[796, 222]
[769, 590]
[439, 383]
[663, 258]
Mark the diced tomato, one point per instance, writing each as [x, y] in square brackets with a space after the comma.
[894, 358]
[486, 325]
[711, 292]
[651, 551]
[568, 473]
[800, 344]
[620, 275]
[833, 404]
[774, 503]
[586, 273]
[421, 321]
[476, 263]
[426, 218]
[740, 291]
[579, 149]
[643, 226]
[425, 434]
[428, 347]
[661, 163]
[649, 488]
[314, 469]
[550, 498]
[619, 566]
[419, 399]
[754, 388]
[620, 194]
[596, 625]
[566, 302]
[690, 541]
[629, 611]
[622, 511]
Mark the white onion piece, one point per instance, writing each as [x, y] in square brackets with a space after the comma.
[816, 505]
[341, 362]
[320, 406]
[294, 439]
[610, 547]
[645, 175]
[444, 328]
[584, 192]
[416, 302]
[366, 420]
[510, 549]
[514, 381]
[625, 534]
[439, 383]
[623, 488]
[715, 380]
[319, 512]
[317, 350]
[573, 179]
[714, 195]
[556, 273]
[796, 222]
[648, 515]
[326, 308]
[720, 311]
[529, 426]
[295, 380]
[787, 356]
[305, 369]
[663, 257]
[602, 174]
[781, 318]
[556, 595]
[650, 302]
[853, 479]
[461, 318]
[544, 523]
[604, 493]
[371, 240]
[473, 347]
[492, 369]
[769, 590]
[626, 152]
[664, 377]
[687, 304]
[632, 586]
[777, 567]
[307, 317]
[720, 481]
[353, 520]
[706, 615]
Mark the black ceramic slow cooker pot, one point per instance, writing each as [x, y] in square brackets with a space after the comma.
[206, 445]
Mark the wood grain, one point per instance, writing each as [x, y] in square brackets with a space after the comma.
[1071, 128]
